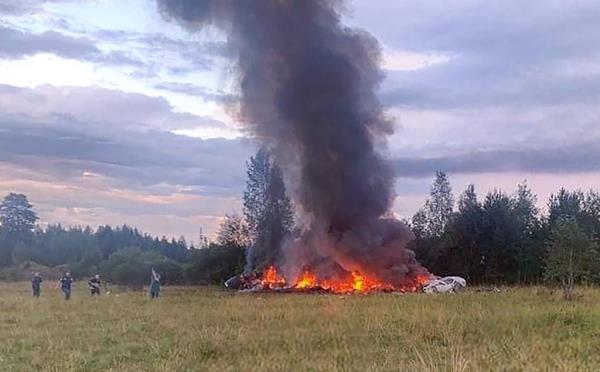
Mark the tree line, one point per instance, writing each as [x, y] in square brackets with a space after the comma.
[506, 238]
[124, 255]
[121, 255]
[116, 252]
[500, 238]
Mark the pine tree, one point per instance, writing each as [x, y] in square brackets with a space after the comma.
[530, 242]
[431, 220]
[468, 200]
[465, 235]
[255, 196]
[267, 209]
[441, 204]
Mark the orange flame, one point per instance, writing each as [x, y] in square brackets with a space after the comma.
[355, 282]
[271, 279]
[359, 281]
[307, 280]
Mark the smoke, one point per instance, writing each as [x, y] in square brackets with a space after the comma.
[308, 92]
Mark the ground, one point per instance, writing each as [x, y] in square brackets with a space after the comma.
[205, 329]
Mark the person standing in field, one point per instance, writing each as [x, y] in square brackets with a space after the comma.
[154, 284]
[36, 284]
[94, 285]
[65, 285]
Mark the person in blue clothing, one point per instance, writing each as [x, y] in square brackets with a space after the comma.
[65, 285]
[36, 284]
[154, 288]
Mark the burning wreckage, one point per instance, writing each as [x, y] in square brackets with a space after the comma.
[272, 281]
[308, 93]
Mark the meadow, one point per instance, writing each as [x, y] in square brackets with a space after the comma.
[208, 329]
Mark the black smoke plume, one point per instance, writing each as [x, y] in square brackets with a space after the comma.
[308, 91]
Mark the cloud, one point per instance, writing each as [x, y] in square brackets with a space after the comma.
[153, 160]
[535, 29]
[579, 158]
[501, 52]
[23, 7]
[153, 49]
[96, 156]
[394, 60]
[95, 201]
[464, 84]
[197, 91]
[515, 87]
[178, 56]
[90, 167]
[69, 132]
[93, 107]
[492, 93]
[15, 44]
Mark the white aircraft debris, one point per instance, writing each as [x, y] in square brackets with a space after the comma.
[448, 284]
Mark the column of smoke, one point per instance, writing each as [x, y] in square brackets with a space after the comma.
[308, 91]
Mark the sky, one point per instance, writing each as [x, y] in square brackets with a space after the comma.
[110, 114]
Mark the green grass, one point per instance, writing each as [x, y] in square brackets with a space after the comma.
[200, 329]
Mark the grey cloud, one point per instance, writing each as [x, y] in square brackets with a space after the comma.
[131, 160]
[518, 93]
[151, 53]
[178, 56]
[501, 52]
[197, 91]
[119, 58]
[583, 157]
[18, 43]
[91, 105]
[462, 85]
[64, 132]
[512, 28]
[90, 200]
[162, 41]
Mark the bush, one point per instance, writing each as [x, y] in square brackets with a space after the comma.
[572, 256]
[132, 267]
[215, 264]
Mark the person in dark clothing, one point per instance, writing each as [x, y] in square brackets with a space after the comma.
[94, 285]
[36, 284]
[154, 285]
[65, 285]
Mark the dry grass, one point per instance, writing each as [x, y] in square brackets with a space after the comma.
[200, 329]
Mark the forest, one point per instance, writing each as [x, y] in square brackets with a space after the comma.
[500, 238]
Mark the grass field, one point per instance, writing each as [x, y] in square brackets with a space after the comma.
[202, 329]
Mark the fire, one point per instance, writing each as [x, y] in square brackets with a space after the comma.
[272, 279]
[355, 282]
[307, 280]
[359, 281]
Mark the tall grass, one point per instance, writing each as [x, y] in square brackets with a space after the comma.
[200, 329]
